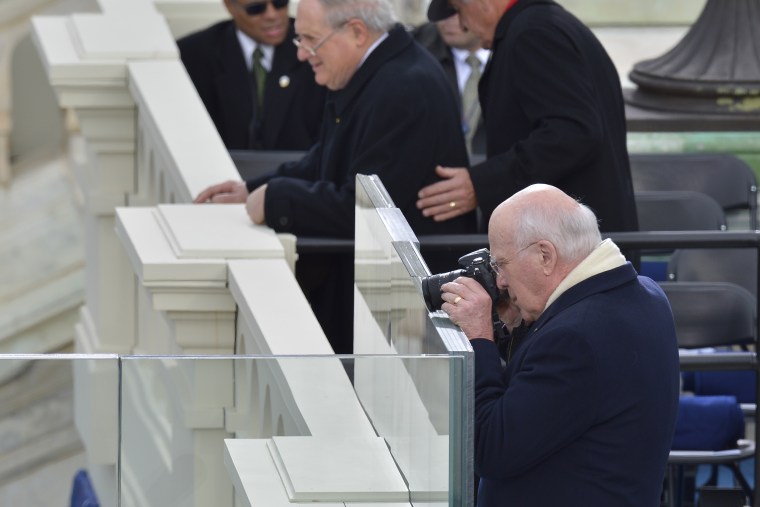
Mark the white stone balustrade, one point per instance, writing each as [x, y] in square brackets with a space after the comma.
[195, 265]
[85, 57]
[179, 150]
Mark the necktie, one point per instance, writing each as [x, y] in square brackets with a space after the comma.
[470, 104]
[259, 74]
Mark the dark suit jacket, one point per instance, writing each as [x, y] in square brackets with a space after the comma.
[427, 34]
[396, 118]
[553, 110]
[585, 411]
[292, 114]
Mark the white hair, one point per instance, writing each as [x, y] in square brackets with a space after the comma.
[378, 15]
[574, 233]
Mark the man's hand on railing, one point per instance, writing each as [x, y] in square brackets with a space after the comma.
[230, 191]
[255, 205]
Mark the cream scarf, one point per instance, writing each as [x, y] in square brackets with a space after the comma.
[604, 257]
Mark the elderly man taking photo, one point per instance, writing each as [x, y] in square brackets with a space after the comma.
[584, 412]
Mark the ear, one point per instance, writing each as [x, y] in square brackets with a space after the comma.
[359, 31]
[548, 256]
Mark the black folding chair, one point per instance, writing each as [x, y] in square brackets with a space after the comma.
[711, 314]
[674, 210]
[726, 178]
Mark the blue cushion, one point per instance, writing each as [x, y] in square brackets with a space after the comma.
[708, 423]
[82, 493]
[657, 270]
[740, 383]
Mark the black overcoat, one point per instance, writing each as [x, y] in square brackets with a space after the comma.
[396, 118]
[554, 113]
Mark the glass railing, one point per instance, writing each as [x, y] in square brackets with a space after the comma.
[284, 430]
[390, 316]
[52, 408]
[234, 430]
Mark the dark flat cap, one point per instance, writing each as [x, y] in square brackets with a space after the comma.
[440, 9]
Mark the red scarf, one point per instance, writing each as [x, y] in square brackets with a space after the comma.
[509, 5]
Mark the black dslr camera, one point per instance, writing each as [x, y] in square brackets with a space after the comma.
[474, 265]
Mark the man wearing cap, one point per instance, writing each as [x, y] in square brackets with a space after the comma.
[553, 110]
[257, 92]
[389, 112]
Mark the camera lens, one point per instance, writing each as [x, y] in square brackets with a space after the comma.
[431, 287]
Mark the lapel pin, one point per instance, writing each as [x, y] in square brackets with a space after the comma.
[284, 81]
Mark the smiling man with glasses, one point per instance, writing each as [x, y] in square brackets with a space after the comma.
[246, 71]
[389, 112]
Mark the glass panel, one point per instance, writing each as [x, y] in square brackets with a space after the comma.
[58, 418]
[390, 316]
[288, 430]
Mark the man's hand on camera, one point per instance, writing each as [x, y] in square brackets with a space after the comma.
[469, 307]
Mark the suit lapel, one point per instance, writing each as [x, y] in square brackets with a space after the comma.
[234, 86]
[280, 87]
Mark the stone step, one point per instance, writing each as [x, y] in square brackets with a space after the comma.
[42, 257]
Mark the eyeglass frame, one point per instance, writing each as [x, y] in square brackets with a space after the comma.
[312, 50]
[496, 266]
[259, 8]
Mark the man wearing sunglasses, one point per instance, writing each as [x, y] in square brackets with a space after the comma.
[389, 112]
[257, 92]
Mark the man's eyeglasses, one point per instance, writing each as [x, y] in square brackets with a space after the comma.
[256, 8]
[497, 265]
[312, 50]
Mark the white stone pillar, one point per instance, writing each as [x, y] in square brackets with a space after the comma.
[179, 256]
[85, 56]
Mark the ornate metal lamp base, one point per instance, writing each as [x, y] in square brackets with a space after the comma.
[714, 69]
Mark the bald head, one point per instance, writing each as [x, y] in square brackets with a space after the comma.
[545, 212]
[537, 237]
[542, 197]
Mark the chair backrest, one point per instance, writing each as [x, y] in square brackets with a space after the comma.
[254, 163]
[724, 177]
[735, 265]
[711, 314]
[678, 210]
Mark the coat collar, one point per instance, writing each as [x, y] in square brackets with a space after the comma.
[229, 53]
[503, 25]
[285, 59]
[602, 282]
[398, 39]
